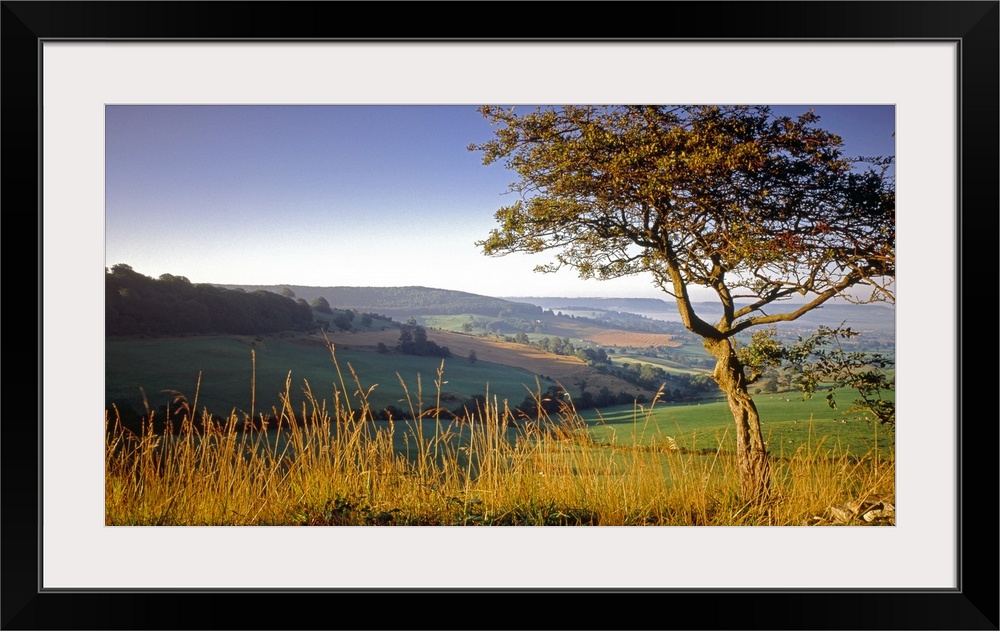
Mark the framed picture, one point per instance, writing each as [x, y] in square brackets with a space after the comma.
[935, 63]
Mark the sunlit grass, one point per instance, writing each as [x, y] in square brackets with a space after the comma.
[320, 463]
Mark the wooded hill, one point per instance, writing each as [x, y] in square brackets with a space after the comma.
[502, 316]
[135, 304]
[404, 301]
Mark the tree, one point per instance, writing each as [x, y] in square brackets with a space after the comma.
[758, 208]
[413, 341]
[342, 320]
[321, 304]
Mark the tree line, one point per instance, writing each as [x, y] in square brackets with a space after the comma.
[135, 304]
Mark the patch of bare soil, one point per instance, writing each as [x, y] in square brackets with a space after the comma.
[611, 337]
[607, 336]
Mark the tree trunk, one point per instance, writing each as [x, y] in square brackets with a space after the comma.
[751, 456]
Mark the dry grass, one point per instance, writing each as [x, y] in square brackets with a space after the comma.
[331, 465]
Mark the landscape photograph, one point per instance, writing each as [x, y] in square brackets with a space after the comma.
[500, 315]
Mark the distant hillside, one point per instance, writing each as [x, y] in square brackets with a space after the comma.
[404, 301]
[880, 318]
[630, 305]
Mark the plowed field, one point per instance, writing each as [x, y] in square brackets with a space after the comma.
[606, 336]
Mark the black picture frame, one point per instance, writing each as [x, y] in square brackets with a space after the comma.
[972, 605]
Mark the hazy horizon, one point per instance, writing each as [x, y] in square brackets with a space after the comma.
[663, 296]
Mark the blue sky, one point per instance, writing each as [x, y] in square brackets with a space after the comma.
[340, 195]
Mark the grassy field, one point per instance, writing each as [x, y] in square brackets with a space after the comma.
[789, 424]
[579, 332]
[237, 372]
[451, 322]
[659, 362]
[232, 368]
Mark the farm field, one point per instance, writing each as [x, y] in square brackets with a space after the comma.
[504, 370]
[789, 423]
[659, 362]
[563, 369]
[574, 330]
[227, 368]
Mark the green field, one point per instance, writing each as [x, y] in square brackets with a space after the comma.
[454, 323]
[451, 322]
[226, 370]
[659, 362]
[788, 423]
